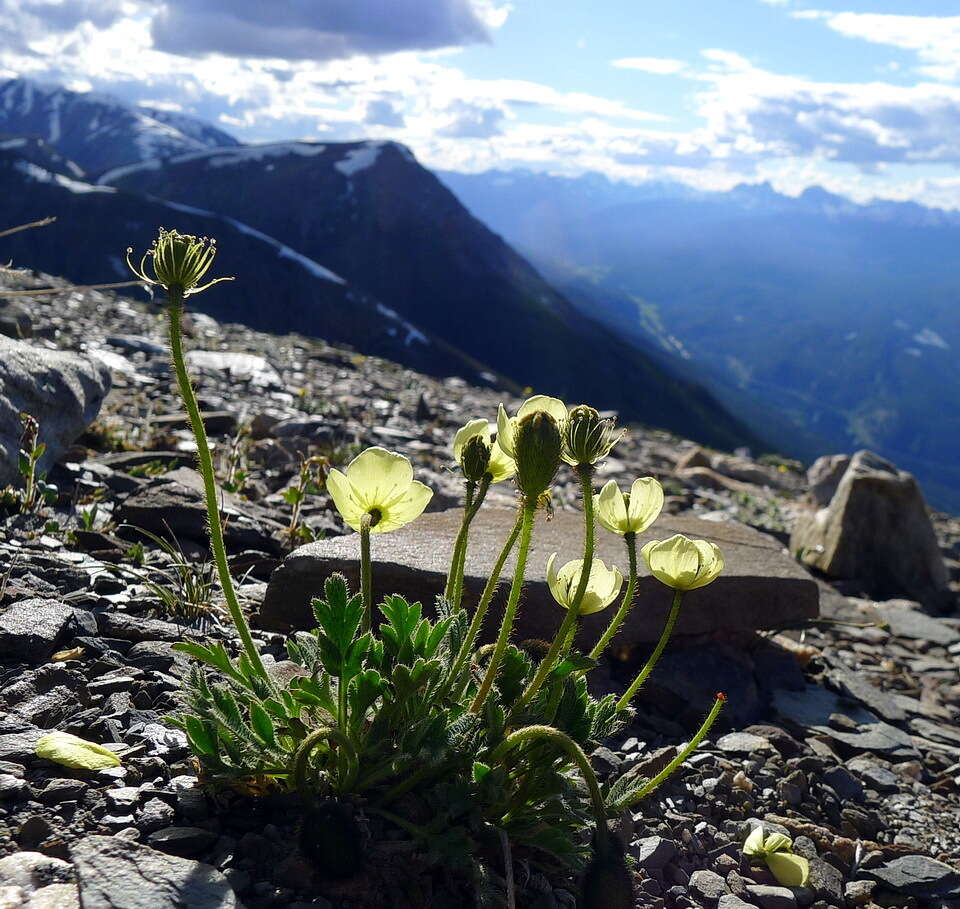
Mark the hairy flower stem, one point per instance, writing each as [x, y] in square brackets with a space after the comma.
[481, 611]
[575, 753]
[568, 628]
[691, 746]
[454, 589]
[631, 540]
[648, 667]
[300, 762]
[366, 575]
[175, 313]
[528, 510]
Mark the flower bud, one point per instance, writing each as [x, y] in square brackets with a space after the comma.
[180, 262]
[475, 459]
[587, 437]
[537, 450]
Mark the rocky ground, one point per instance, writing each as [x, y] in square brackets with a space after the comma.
[846, 735]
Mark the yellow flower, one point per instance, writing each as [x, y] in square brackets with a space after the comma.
[682, 563]
[499, 465]
[602, 587]
[629, 512]
[378, 483]
[507, 426]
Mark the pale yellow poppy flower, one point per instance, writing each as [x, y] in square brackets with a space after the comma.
[602, 586]
[507, 426]
[629, 512]
[681, 563]
[500, 466]
[378, 483]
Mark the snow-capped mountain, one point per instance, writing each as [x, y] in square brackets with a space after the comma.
[97, 131]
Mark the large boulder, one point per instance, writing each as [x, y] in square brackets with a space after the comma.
[876, 531]
[761, 587]
[62, 391]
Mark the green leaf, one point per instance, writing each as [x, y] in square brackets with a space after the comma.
[199, 737]
[262, 725]
[72, 751]
[480, 770]
[363, 692]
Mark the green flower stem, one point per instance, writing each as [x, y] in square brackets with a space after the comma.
[569, 625]
[175, 313]
[528, 510]
[483, 605]
[631, 540]
[300, 762]
[691, 746]
[576, 754]
[366, 574]
[648, 668]
[585, 473]
[454, 591]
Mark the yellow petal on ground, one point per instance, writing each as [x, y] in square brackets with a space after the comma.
[753, 845]
[791, 870]
[62, 656]
[778, 842]
[342, 493]
[71, 751]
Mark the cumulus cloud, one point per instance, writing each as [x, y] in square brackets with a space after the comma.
[935, 39]
[307, 30]
[662, 66]
[473, 121]
[383, 112]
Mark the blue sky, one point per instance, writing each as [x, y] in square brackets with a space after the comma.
[863, 98]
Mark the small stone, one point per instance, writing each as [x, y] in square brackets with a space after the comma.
[30, 630]
[767, 897]
[122, 798]
[707, 885]
[743, 743]
[183, 841]
[155, 814]
[729, 901]
[605, 761]
[62, 790]
[826, 881]
[841, 781]
[859, 893]
[655, 852]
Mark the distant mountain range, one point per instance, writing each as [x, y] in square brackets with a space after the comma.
[825, 324]
[97, 131]
[353, 242]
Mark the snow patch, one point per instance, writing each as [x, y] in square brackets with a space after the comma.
[413, 334]
[283, 252]
[929, 337]
[358, 159]
[39, 175]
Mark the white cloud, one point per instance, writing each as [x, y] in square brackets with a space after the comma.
[935, 39]
[662, 66]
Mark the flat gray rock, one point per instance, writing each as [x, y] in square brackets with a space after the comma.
[30, 630]
[761, 587]
[907, 622]
[917, 875]
[116, 873]
[62, 391]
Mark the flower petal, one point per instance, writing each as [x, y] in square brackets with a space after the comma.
[753, 845]
[646, 503]
[345, 499]
[468, 431]
[553, 581]
[378, 476]
[674, 562]
[789, 869]
[505, 431]
[72, 751]
[404, 509]
[711, 563]
[501, 465]
[553, 406]
[611, 509]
